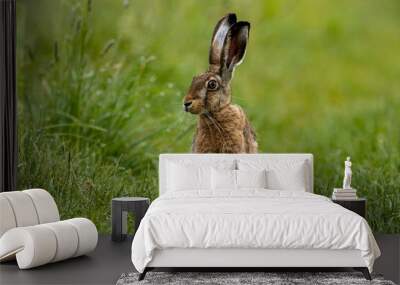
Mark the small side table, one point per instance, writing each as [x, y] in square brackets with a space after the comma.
[358, 206]
[119, 212]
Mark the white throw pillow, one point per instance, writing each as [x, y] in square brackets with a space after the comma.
[227, 179]
[223, 179]
[290, 179]
[188, 177]
[251, 178]
[281, 174]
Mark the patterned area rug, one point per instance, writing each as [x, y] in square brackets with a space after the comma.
[230, 278]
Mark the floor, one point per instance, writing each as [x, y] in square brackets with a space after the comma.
[110, 260]
[389, 262]
[103, 266]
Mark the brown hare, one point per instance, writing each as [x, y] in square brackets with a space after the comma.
[222, 127]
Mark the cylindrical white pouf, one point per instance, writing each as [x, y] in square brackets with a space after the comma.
[23, 208]
[67, 240]
[33, 246]
[7, 218]
[87, 234]
[46, 207]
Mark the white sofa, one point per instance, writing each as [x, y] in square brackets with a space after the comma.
[31, 231]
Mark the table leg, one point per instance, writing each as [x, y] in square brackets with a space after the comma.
[118, 232]
[124, 218]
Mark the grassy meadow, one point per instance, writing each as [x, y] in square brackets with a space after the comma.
[100, 87]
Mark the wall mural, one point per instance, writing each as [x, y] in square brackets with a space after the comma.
[222, 126]
[101, 86]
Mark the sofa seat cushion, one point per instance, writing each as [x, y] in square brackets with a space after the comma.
[40, 244]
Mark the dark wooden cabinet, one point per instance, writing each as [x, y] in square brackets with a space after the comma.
[358, 206]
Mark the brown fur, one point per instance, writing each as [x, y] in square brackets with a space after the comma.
[226, 131]
[222, 127]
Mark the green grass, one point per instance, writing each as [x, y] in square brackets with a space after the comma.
[100, 86]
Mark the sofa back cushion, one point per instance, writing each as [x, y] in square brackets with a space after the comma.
[26, 208]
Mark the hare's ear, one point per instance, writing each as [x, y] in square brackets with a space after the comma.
[234, 48]
[218, 39]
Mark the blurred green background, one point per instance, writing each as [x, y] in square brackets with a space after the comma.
[100, 87]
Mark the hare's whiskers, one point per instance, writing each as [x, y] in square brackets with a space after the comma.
[219, 128]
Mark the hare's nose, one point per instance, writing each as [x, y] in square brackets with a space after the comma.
[186, 105]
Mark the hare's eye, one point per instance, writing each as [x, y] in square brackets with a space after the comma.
[212, 85]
